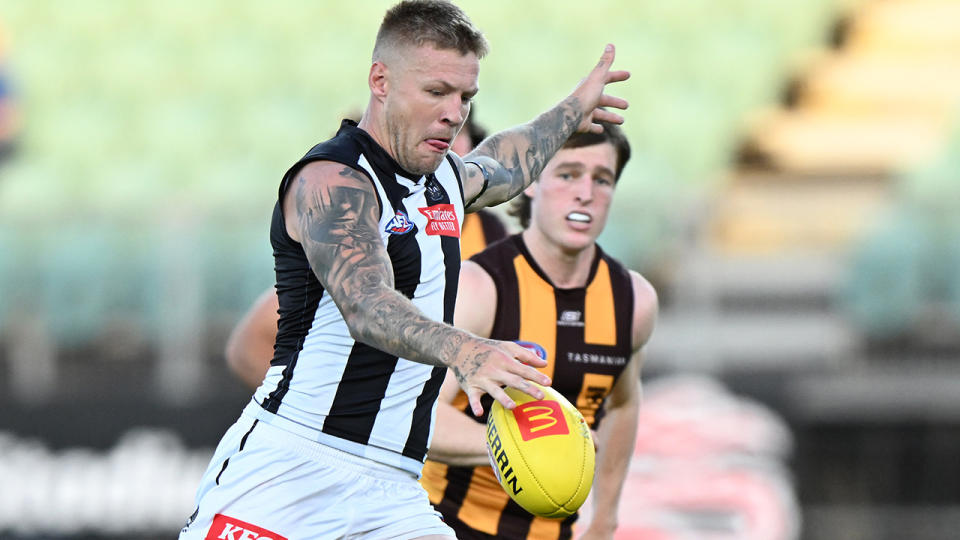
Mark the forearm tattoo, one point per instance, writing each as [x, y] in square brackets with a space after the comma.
[524, 151]
[338, 221]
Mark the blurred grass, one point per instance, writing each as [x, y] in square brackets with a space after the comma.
[132, 109]
[167, 118]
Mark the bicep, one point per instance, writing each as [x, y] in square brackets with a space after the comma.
[626, 391]
[476, 300]
[333, 211]
[645, 310]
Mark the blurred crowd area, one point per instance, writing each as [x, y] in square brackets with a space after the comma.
[793, 196]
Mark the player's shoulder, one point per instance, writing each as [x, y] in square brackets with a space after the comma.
[644, 293]
[646, 307]
[643, 290]
[498, 254]
[473, 276]
[329, 172]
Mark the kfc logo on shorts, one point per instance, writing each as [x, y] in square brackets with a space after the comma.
[228, 528]
[400, 224]
[537, 419]
[441, 220]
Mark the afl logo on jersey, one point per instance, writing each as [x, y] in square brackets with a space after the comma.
[400, 224]
[536, 348]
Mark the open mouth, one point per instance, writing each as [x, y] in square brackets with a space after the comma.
[579, 217]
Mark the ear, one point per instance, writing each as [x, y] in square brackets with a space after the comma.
[377, 80]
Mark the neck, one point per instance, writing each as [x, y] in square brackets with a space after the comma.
[375, 125]
[566, 269]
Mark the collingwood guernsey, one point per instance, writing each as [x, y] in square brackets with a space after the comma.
[322, 383]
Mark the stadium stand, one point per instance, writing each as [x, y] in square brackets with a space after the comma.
[162, 158]
[828, 255]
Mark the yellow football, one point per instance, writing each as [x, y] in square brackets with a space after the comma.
[542, 453]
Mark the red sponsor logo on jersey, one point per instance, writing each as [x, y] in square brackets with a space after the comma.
[442, 220]
[537, 419]
[228, 528]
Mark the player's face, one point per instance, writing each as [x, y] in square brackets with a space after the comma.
[427, 103]
[571, 200]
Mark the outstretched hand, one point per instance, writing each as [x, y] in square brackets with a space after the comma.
[591, 96]
[484, 366]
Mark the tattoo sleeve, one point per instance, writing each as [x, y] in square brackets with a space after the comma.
[337, 219]
[517, 155]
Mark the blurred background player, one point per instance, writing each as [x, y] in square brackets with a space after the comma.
[9, 121]
[249, 348]
[552, 288]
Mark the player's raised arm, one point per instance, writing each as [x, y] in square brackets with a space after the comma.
[508, 161]
[332, 210]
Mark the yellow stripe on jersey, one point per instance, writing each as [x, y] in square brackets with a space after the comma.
[434, 480]
[600, 319]
[595, 388]
[544, 529]
[472, 239]
[484, 502]
[538, 311]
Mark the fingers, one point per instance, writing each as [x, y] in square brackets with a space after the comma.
[606, 59]
[613, 101]
[528, 373]
[602, 69]
[498, 394]
[525, 355]
[513, 369]
[518, 383]
[606, 116]
[590, 91]
[617, 76]
[475, 406]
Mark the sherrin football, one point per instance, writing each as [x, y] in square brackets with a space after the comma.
[542, 453]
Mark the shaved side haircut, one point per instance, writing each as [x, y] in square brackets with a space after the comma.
[435, 22]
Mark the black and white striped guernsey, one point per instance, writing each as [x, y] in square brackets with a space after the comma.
[321, 382]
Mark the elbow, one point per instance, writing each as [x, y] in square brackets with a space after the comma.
[232, 353]
[358, 325]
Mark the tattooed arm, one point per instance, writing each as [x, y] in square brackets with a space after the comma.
[513, 158]
[332, 211]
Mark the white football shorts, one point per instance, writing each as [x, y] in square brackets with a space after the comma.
[266, 483]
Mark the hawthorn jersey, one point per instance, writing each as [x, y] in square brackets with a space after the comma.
[344, 393]
[480, 229]
[585, 335]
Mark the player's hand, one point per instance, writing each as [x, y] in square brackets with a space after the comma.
[590, 93]
[486, 365]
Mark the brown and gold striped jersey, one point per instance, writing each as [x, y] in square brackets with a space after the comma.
[479, 230]
[586, 335]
